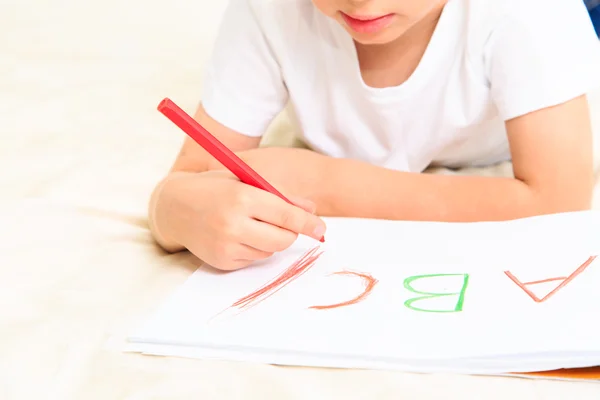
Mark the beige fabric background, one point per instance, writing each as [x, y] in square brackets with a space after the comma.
[81, 146]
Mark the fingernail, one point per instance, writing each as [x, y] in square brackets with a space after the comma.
[319, 232]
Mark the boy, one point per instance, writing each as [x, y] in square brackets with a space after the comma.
[382, 89]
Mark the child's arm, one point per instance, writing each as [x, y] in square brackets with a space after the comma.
[193, 158]
[552, 163]
[553, 168]
[243, 90]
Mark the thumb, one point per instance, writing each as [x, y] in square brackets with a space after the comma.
[305, 204]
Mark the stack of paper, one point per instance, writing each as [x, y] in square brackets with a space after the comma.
[477, 298]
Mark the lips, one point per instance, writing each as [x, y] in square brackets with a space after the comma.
[367, 24]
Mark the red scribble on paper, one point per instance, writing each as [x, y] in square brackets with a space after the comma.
[293, 272]
[369, 283]
[565, 281]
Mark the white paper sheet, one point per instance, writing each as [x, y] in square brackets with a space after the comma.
[484, 322]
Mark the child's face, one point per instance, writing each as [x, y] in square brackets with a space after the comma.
[378, 21]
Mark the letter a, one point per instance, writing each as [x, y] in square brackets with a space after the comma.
[565, 281]
[430, 295]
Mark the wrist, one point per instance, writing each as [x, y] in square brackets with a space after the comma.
[158, 214]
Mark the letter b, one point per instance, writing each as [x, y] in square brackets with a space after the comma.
[460, 294]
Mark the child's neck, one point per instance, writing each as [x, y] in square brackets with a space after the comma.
[391, 64]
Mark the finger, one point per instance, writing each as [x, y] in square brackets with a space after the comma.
[268, 238]
[305, 204]
[273, 210]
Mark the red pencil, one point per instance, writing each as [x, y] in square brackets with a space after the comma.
[216, 149]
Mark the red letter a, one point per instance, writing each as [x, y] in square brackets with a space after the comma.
[565, 281]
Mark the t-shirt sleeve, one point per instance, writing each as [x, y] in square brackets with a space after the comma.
[541, 54]
[243, 87]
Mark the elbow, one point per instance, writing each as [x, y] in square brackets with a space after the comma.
[560, 190]
[563, 201]
[560, 208]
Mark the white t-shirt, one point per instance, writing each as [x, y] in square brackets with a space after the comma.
[488, 61]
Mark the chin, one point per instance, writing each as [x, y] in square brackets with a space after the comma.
[373, 40]
[380, 38]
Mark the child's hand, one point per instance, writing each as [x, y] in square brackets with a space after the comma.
[229, 224]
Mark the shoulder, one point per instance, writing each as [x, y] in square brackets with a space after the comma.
[489, 19]
[533, 54]
[532, 12]
[531, 32]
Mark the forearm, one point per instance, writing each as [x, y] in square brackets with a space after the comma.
[358, 189]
